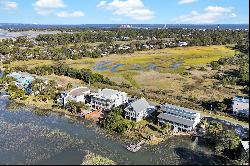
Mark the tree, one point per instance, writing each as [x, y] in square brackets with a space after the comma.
[69, 86]
[15, 92]
[227, 140]
[37, 86]
[215, 127]
[244, 73]
[75, 107]
[115, 122]
[72, 107]
[165, 128]
[215, 65]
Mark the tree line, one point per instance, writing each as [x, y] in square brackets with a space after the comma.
[61, 69]
[73, 45]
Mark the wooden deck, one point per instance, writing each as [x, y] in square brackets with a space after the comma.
[93, 115]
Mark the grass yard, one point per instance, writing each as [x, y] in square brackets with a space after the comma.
[30, 63]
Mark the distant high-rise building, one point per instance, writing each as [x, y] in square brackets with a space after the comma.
[126, 26]
[218, 26]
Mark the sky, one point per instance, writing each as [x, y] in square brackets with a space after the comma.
[124, 11]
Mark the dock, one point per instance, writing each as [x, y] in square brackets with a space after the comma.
[135, 147]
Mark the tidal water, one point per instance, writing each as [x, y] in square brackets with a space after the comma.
[31, 136]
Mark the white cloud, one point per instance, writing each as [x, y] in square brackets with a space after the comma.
[45, 7]
[8, 5]
[211, 14]
[73, 14]
[134, 9]
[101, 4]
[186, 1]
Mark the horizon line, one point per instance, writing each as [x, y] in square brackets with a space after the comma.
[134, 24]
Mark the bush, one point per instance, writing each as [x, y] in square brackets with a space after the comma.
[215, 65]
[203, 69]
[115, 121]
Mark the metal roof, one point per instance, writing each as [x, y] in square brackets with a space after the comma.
[78, 91]
[140, 105]
[241, 99]
[176, 119]
[21, 77]
[180, 110]
[107, 93]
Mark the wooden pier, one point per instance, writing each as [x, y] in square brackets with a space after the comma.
[135, 147]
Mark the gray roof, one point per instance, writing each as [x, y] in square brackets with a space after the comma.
[78, 91]
[107, 93]
[181, 109]
[140, 105]
[176, 119]
[241, 99]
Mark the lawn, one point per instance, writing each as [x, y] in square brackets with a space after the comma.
[30, 63]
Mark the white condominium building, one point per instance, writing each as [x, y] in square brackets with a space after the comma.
[240, 106]
[106, 99]
[180, 118]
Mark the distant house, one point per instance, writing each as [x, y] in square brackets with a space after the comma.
[180, 118]
[125, 38]
[151, 46]
[77, 94]
[180, 44]
[138, 110]
[104, 54]
[240, 106]
[23, 80]
[124, 47]
[106, 99]
[145, 46]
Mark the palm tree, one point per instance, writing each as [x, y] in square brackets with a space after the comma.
[37, 86]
